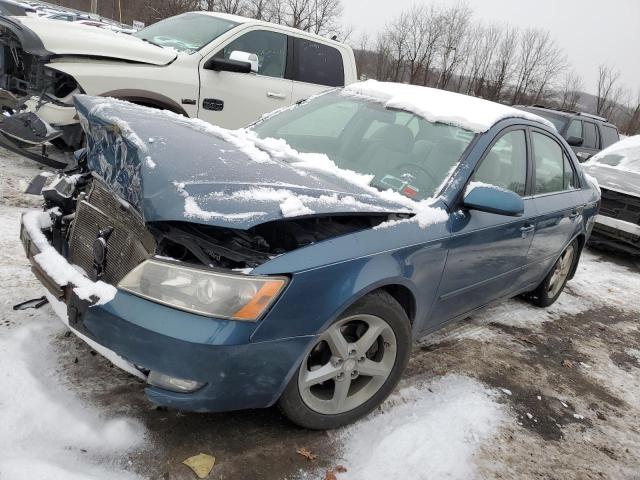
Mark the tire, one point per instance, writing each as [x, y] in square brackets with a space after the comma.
[356, 382]
[553, 284]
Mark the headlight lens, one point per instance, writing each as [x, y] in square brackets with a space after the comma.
[205, 292]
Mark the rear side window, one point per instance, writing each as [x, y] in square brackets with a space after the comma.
[609, 136]
[590, 138]
[506, 163]
[569, 175]
[317, 63]
[553, 171]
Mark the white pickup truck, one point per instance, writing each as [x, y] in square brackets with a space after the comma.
[225, 69]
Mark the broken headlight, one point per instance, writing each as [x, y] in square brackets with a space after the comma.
[205, 292]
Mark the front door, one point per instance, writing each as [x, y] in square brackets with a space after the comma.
[234, 100]
[487, 251]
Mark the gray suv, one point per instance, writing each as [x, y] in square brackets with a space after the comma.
[586, 134]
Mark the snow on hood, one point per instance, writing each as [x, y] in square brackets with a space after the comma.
[171, 168]
[434, 105]
[72, 38]
[617, 167]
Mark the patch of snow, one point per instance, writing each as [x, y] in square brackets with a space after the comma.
[434, 105]
[506, 390]
[57, 267]
[48, 433]
[193, 210]
[123, 126]
[150, 163]
[473, 185]
[293, 207]
[578, 417]
[623, 155]
[592, 180]
[245, 271]
[429, 432]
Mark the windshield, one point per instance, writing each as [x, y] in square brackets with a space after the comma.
[187, 33]
[403, 151]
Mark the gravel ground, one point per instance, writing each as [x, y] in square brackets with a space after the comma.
[512, 392]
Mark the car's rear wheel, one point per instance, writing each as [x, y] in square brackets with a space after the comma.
[552, 286]
[352, 366]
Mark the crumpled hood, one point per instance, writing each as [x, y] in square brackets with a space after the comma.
[611, 178]
[171, 168]
[71, 38]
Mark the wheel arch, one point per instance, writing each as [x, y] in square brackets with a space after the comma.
[581, 239]
[147, 99]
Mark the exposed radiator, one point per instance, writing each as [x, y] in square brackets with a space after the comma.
[620, 206]
[129, 244]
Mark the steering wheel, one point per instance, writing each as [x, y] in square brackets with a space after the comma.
[415, 171]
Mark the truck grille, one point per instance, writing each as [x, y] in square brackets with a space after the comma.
[129, 244]
[620, 206]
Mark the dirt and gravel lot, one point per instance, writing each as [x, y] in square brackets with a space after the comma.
[513, 392]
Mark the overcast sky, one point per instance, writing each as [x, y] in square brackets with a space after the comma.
[590, 31]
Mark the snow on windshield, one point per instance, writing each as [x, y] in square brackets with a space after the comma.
[441, 106]
[623, 155]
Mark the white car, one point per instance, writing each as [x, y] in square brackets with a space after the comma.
[225, 69]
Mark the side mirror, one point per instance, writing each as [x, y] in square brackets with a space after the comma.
[239, 62]
[491, 199]
[575, 141]
[251, 58]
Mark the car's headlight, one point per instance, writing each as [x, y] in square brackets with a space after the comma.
[205, 292]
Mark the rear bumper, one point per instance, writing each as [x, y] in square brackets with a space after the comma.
[140, 336]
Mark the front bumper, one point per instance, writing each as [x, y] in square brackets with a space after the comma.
[616, 233]
[141, 336]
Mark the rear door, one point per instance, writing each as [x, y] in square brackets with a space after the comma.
[487, 251]
[234, 100]
[314, 67]
[558, 202]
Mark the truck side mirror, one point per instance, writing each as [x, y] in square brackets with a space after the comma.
[239, 62]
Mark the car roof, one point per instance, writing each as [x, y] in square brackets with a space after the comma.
[568, 113]
[252, 21]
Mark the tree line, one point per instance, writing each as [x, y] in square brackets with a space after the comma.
[431, 45]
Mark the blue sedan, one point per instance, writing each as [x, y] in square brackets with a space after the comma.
[298, 260]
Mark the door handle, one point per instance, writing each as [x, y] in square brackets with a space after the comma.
[526, 230]
[576, 212]
[279, 96]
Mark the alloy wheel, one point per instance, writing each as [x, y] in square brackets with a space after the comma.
[560, 271]
[348, 364]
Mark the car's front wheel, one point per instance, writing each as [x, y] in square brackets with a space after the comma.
[352, 366]
[553, 284]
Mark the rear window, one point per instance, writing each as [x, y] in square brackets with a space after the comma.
[317, 63]
[558, 121]
[609, 136]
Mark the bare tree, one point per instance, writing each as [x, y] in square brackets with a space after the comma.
[501, 71]
[632, 126]
[607, 79]
[455, 24]
[570, 93]
[161, 9]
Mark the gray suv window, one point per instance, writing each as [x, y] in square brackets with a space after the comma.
[575, 129]
[590, 136]
[609, 136]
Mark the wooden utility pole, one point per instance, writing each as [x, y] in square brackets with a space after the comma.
[94, 6]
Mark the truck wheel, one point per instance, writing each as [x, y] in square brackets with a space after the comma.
[352, 366]
[552, 286]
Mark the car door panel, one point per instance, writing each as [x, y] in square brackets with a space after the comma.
[234, 100]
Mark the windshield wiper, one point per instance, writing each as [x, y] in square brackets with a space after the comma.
[151, 42]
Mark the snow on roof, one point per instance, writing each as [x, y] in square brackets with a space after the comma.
[434, 105]
[622, 155]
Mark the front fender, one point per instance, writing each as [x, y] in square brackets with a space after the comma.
[317, 296]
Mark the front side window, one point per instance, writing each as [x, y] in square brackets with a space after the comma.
[550, 164]
[399, 150]
[270, 47]
[609, 136]
[317, 63]
[187, 33]
[590, 138]
[505, 165]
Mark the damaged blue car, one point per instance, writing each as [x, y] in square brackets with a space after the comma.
[296, 261]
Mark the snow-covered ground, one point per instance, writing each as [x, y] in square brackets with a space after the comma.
[514, 392]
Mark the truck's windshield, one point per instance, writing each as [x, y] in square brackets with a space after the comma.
[186, 33]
